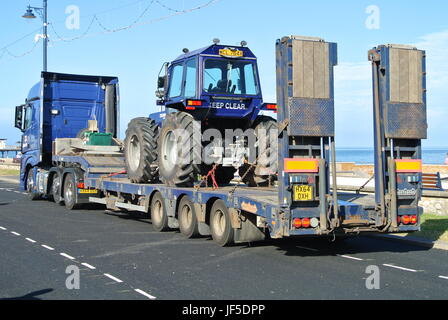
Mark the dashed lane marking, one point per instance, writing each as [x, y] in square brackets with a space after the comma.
[15, 233]
[67, 256]
[349, 257]
[443, 277]
[400, 268]
[145, 294]
[88, 266]
[2, 228]
[113, 278]
[30, 240]
[47, 247]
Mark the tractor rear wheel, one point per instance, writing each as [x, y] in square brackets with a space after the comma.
[266, 167]
[140, 150]
[180, 150]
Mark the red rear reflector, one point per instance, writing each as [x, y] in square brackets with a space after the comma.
[81, 185]
[306, 222]
[190, 108]
[406, 219]
[297, 223]
[414, 220]
[270, 106]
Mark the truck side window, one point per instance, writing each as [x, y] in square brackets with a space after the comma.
[190, 79]
[176, 81]
[28, 117]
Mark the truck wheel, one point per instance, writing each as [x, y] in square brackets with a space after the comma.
[140, 150]
[56, 189]
[188, 222]
[266, 168]
[220, 225]
[30, 186]
[70, 196]
[159, 217]
[179, 149]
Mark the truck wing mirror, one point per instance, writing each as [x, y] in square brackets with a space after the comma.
[161, 82]
[19, 117]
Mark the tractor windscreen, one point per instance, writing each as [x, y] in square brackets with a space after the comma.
[230, 77]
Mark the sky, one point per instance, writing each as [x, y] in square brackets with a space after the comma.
[164, 27]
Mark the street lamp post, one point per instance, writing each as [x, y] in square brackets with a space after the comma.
[43, 14]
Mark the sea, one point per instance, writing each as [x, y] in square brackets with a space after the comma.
[366, 155]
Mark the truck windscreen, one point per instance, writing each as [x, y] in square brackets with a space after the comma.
[230, 77]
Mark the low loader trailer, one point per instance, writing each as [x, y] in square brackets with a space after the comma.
[71, 154]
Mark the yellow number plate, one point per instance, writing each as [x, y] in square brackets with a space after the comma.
[230, 53]
[88, 191]
[303, 193]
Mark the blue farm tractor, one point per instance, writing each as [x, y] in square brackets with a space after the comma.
[214, 88]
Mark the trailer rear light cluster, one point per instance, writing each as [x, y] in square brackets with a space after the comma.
[305, 223]
[81, 185]
[407, 220]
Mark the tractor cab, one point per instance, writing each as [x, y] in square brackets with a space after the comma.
[217, 81]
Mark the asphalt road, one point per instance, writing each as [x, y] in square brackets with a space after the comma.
[119, 256]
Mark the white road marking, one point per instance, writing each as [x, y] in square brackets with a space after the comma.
[443, 277]
[17, 192]
[113, 278]
[145, 294]
[349, 257]
[30, 240]
[398, 267]
[306, 248]
[15, 233]
[2, 228]
[67, 256]
[88, 266]
[47, 247]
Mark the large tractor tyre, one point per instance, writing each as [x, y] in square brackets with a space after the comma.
[70, 193]
[188, 222]
[220, 224]
[264, 173]
[31, 186]
[159, 216]
[180, 150]
[140, 150]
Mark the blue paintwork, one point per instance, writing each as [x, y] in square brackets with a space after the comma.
[253, 103]
[76, 98]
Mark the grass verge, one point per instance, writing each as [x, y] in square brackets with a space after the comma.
[433, 227]
[9, 172]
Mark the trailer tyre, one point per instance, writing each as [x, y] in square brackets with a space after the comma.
[140, 150]
[188, 222]
[30, 186]
[70, 196]
[56, 189]
[180, 150]
[220, 224]
[266, 169]
[159, 217]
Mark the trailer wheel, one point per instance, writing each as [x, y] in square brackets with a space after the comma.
[140, 150]
[56, 189]
[266, 168]
[30, 186]
[70, 196]
[188, 222]
[159, 217]
[220, 224]
[179, 150]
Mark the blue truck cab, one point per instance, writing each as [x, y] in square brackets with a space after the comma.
[59, 106]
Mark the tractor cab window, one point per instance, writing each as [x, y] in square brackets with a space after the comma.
[190, 78]
[230, 77]
[176, 81]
